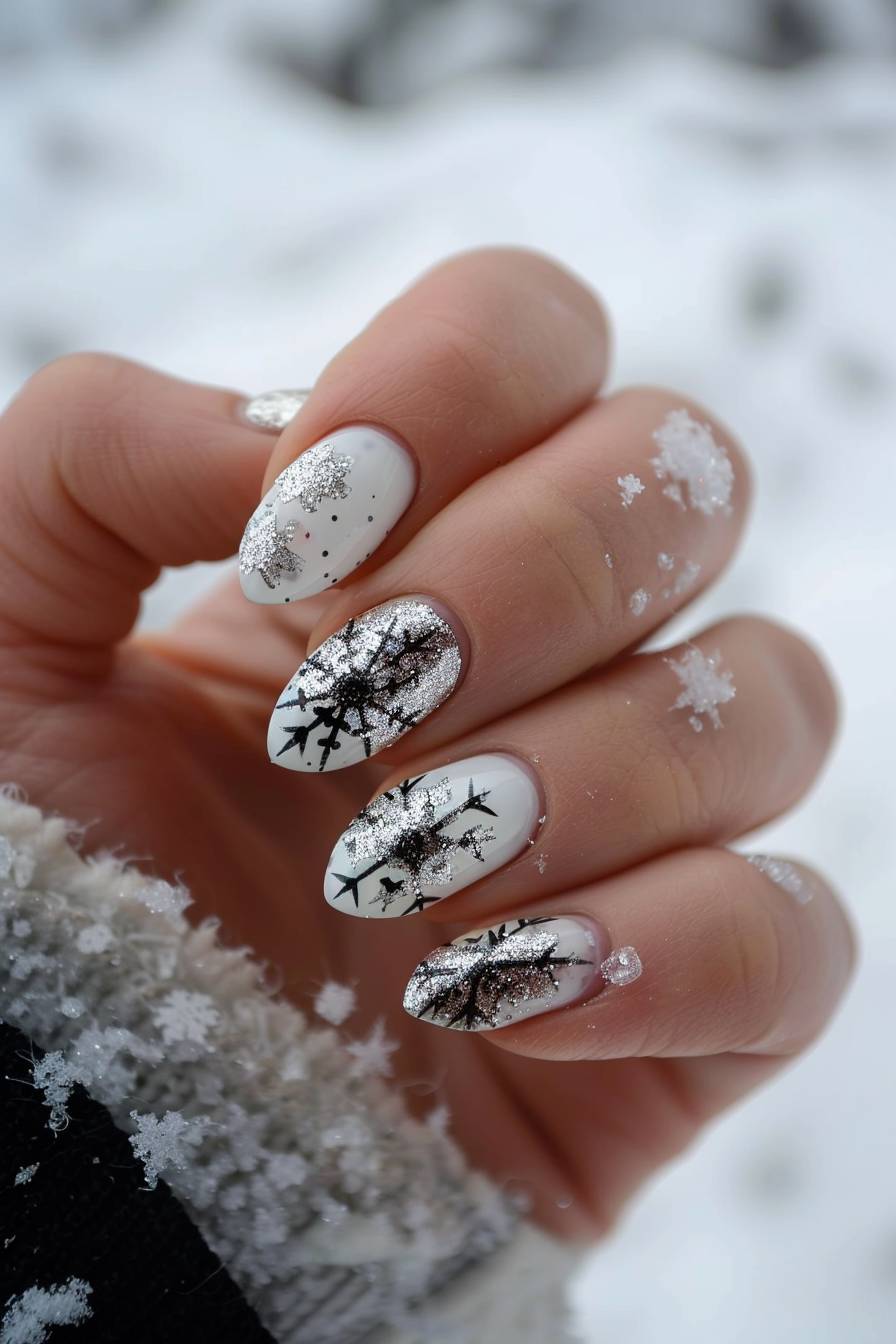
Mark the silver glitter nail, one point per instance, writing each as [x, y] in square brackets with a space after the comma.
[265, 549]
[274, 410]
[315, 475]
[500, 975]
[622, 966]
[365, 687]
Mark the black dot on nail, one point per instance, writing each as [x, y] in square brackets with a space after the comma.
[332, 580]
[326, 576]
[325, 552]
[286, 599]
[335, 518]
[370, 517]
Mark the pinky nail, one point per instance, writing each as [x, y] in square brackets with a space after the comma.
[492, 977]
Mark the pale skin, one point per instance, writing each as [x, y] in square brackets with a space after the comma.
[490, 368]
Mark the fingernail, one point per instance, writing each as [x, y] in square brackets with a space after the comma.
[492, 977]
[430, 836]
[365, 687]
[274, 410]
[325, 514]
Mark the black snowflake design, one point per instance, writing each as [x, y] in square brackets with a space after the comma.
[469, 984]
[374, 679]
[265, 549]
[401, 830]
[316, 475]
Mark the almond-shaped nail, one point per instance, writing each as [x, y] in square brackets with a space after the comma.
[430, 836]
[325, 514]
[492, 977]
[365, 687]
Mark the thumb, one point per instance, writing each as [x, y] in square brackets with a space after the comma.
[108, 471]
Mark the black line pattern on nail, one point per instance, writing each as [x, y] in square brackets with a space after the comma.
[265, 549]
[401, 830]
[374, 679]
[472, 983]
[317, 474]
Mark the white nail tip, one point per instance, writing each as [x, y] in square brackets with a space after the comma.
[492, 977]
[274, 410]
[325, 514]
[365, 687]
[430, 836]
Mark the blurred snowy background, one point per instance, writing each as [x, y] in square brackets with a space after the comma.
[229, 189]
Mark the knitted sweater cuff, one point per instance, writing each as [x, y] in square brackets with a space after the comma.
[339, 1216]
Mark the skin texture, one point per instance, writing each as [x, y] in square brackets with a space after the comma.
[488, 368]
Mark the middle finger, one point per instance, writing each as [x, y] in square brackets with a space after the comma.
[546, 567]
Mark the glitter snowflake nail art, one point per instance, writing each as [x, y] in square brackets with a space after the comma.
[365, 687]
[431, 836]
[325, 514]
[495, 976]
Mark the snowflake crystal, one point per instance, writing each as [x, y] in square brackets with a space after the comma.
[335, 1003]
[160, 1144]
[629, 487]
[30, 1317]
[373, 1056]
[186, 1016]
[704, 686]
[689, 456]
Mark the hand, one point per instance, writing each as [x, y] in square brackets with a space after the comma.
[552, 573]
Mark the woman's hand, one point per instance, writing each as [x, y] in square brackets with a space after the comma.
[555, 533]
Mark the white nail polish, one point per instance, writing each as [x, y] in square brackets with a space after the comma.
[325, 514]
[429, 837]
[492, 977]
[365, 687]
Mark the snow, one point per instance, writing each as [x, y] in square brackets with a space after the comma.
[161, 1144]
[170, 201]
[186, 1015]
[629, 487]
[335, 1003]
[30, 1316]
[704, 686]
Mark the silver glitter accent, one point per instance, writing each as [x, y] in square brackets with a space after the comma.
[704, 686]
[265, 548]
[784, 875]
[689, 456]
[401, 829]
[473, 983]
[274, 410]
[374, 679]
[622, 966]
[638, 602]
[315, 475]
[629, 487]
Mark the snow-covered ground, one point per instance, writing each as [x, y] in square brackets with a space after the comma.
[177, 204]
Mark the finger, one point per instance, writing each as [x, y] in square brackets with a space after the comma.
[715, 954]
[480, 360]
[600, 776]
[511, 583]
[108, 471]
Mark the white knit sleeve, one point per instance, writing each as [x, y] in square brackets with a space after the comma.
[340, 1217]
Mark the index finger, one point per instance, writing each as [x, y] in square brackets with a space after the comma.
[483, 358]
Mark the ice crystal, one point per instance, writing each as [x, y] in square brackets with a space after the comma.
[31, 1316]
[95, 938]
[665, 560]
[622, 966]
[683, 581]
[784, 875]
[165, 1143]
[689, 456]
[541, 862]
[25, 1174]
[316, 475]
[335, 1003]
[55, 1077]
[185, 1015]
[629, 487]
[162, 898]
[704, 686]
[71, 1007]
[264, 549]
[372, 1057]
[16, 865]
[638, 602]
[274, 410]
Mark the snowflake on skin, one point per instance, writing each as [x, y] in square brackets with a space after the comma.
[265, 548]
[400, 829]
[317, 475]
